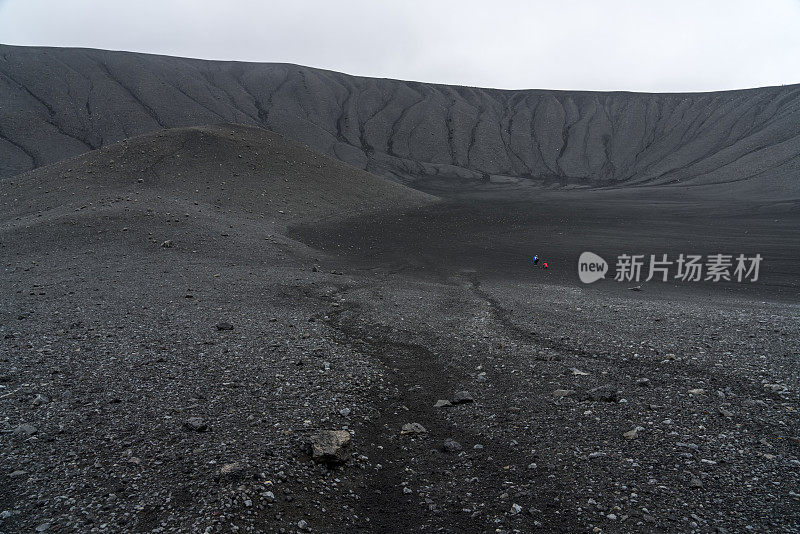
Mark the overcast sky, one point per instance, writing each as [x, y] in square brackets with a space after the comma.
[644, 45]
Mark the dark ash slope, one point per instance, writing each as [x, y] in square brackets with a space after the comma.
[205, 174]
[62, 102]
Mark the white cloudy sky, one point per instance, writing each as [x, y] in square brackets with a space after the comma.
[641, 45]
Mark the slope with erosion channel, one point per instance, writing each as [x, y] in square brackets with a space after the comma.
[61, 102]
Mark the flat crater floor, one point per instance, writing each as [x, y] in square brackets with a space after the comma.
[496, 235]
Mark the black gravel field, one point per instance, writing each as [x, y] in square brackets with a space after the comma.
[190, 318]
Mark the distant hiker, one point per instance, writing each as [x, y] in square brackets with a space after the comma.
[536, 259]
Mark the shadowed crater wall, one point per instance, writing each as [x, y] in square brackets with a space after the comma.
[56, 103]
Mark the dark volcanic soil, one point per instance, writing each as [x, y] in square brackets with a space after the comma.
[594, 408]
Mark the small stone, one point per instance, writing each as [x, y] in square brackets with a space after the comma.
[559, 393]
[450, 445]
[42, 527]
[40, 399]
[407, 490]
[695, 483]
[515, 509]
[631, 434]
[18, 473]
[302, 524]
[231, 472]
[224, 326]
[462, 397]
[612, 517]
[442, 403]
[198, 424]
[330, 446]
[25, 430]
[643, 382]
[578, 372]
[167, 244]
[413, 428]
[602, 394]
[344, 412]
[697, 392]
[595, 455]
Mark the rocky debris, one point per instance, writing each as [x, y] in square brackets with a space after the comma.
[232, 472]
[631, 434]
[442, 403]
[462, 397]
[695, 483]
[545, 356]
[559, 393]
[450, 445]
[25, 430]
[697, 392]
[602, 394]
[330, 447]
[643, 382]
[197, 424]
[578, 372]
[40, 399]
[167, 244]
[413, 428]
[224, 326]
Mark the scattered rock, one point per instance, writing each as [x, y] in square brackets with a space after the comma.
[40, 399]
[413, 428]
[631, 434]
[442, 403]
[224, 326]
[559, 393]
[462, 397]
[602, 394]
[330, 447]
[25, 430]
[643, 382]
[198, 424]
[578, 372]
[695, 483]
[167, 244]
[232, 472]
[697, 392]
[451, 445]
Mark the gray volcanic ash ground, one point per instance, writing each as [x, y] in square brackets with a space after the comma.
[214, 328]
